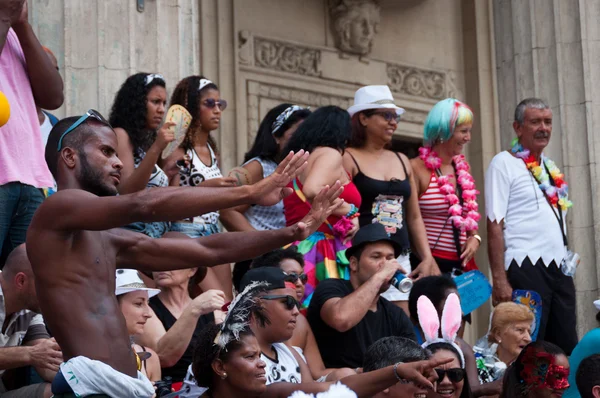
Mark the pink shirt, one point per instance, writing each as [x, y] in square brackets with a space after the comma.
[21, 148]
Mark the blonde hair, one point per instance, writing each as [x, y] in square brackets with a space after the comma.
[506, 314]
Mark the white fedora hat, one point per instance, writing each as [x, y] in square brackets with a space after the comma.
[128, 280]
[374, 97]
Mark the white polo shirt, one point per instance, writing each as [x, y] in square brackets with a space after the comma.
[530, 225]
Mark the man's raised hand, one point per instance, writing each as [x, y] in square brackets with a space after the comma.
[421, 373]
[322, 206]
[272, 189]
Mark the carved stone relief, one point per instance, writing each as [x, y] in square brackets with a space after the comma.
[417, 82]
[286, 57]
[354, 24]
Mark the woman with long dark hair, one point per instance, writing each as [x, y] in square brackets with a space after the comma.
[136, 116]
[198, 165]
[324, 134]
[260, 161]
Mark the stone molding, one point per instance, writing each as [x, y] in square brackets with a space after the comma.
[289, 57]
[354, 24]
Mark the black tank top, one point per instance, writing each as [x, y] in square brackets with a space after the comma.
[178, 371]
[384, 202]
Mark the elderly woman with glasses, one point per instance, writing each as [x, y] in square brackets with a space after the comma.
[386, 181]
[197, 163]
[303, 340]
[137, 117]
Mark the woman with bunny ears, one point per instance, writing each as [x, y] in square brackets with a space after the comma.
[452, 377]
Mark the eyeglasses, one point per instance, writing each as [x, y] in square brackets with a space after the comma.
[455, 375]
[293, 277]
[91, 113]
[211, 103]
[389, 116]
[153, 76]
[290, 302]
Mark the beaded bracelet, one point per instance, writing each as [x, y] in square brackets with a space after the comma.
[357, 214]
[353, 211]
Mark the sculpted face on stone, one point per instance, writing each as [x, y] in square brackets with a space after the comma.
[355, 23]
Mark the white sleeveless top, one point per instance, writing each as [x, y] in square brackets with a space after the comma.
[266, 217]
[282, 368]
[158, 178]
[197, 174]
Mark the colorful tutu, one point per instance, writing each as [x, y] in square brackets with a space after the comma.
[324, 257]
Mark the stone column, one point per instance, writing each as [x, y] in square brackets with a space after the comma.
[551, 49]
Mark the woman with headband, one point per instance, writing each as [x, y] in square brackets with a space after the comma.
[137, 118]
[197, 162]
[260, 161]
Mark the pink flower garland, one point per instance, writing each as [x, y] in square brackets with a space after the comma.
[467, 183]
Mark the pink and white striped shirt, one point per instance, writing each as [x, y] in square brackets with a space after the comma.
[434, 210]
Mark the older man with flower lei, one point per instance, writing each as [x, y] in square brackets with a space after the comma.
[526, 199]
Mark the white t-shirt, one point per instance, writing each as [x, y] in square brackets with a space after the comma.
[45, 129]
[282, 368]
[530, 225]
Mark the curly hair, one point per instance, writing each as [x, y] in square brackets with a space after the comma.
[265, 145]
[328, 126]
[186, 94]
[129, 110]
[206, 352]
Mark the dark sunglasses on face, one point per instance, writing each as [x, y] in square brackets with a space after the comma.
[389, 116]
[455, 375]
[290, 302]
[91, 113]
[293, 277]
[211, 103]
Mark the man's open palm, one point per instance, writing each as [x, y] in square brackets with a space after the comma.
[322, 206]
[273, 189]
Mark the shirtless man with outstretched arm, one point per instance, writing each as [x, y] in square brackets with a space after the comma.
[74, 242]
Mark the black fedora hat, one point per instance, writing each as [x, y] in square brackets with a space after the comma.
[370, 234]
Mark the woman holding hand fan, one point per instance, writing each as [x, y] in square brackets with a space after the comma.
[137, 118]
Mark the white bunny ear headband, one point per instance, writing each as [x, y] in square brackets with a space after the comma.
[337, 390]
[451, 322]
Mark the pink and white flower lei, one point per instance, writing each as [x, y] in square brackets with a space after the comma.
[469, 194]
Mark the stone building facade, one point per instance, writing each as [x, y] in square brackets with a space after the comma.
[488, 53]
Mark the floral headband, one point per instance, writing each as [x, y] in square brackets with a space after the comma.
[284, 116]
[152, 76]
[540, 371]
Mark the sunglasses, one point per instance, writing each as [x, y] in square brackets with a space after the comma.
[455, 375]
[389, 116]
[290, 302]
[89, 114]
[211, 103]
[293, 277]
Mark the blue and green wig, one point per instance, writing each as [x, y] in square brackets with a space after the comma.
[443, 119]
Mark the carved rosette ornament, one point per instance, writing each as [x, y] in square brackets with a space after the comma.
[354, 24]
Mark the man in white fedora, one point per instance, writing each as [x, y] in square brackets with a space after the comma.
[386, 183]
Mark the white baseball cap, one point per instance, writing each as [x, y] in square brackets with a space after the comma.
[128, 280]
[374, 97]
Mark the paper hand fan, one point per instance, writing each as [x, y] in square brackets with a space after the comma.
[181, 117]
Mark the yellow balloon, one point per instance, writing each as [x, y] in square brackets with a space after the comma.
[4, 109]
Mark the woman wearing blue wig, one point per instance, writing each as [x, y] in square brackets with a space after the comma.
[447, 194]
